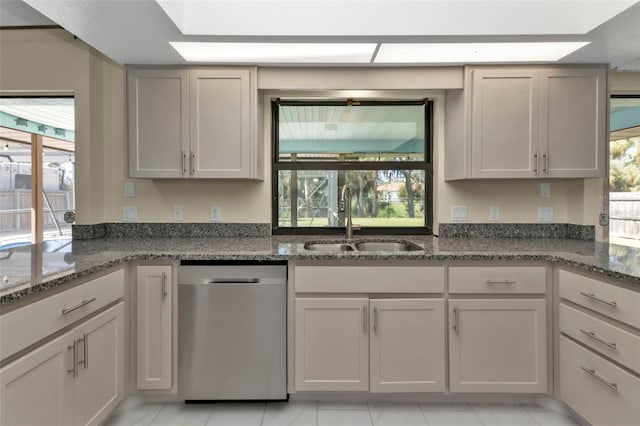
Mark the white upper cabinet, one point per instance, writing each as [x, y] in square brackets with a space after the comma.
[193, 123]
[504, 125]
[573, 125]
[158, 101]
[527, 122]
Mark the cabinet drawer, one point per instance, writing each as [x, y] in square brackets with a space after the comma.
[596, 389]
[603, 337]
[49, 315]
[369, 279]
[498, 279]
[615, 302]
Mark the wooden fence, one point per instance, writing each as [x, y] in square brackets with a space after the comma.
[15, 210]
[624, 214]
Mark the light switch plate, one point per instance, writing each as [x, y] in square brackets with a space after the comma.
[215, 214]
[130, 214]
[545, 189]
[178, 214]
[129, 189]
[545, 214]
[494, 214]
[458, 213]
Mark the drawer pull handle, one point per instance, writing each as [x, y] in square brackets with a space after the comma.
[592, 373]
[506, 281]
[78, 306]
[597, 299]
[598, 338]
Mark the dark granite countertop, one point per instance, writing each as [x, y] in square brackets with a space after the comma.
[36, 268]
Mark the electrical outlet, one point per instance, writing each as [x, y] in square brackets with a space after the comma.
[458, 213]
[130, 214]
[178, 214]
[215, 214]
[129, 189]
[494, 214]
[545, 189]
[545, 214]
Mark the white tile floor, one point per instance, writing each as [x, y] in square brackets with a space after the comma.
[134, 412]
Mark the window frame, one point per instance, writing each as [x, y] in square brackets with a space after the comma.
[425, 165]
[40, 206]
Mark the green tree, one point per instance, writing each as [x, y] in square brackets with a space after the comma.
[624, 173]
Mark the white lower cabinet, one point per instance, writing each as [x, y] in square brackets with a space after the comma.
[36, 389]
[377, 345]
[332, 344]
[154, 322]
[100, 361]
[498, 345]
[601, 392]
[77, 378]
[407, 345]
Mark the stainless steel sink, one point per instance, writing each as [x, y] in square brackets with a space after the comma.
[386, 246]
[362, 246]
[331, 247]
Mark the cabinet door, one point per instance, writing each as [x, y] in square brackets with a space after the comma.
[573, 126]
[504, 123]
[332, 344]
[221, 123]
[100, 382]
[37, 389]
[158, 102]
[498, 346]
[154, 326]
[407, 345]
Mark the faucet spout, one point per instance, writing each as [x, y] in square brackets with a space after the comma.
[345, 206]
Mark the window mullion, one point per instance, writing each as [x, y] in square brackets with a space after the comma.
[37, 204]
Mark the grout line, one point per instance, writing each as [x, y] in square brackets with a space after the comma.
[370, 413]
[156, 415]
[475, 413]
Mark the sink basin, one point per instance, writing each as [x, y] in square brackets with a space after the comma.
[386, 246]
[362, 246]
[331, 247]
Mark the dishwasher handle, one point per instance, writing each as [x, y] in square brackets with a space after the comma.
[233, 281]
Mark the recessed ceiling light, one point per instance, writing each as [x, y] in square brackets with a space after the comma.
[275, 52]
[399, 53]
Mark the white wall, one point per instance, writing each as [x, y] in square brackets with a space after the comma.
[50, 60]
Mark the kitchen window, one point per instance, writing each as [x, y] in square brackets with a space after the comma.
[37, 169]
[380, 149]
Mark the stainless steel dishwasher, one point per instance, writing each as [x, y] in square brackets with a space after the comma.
[232, 331]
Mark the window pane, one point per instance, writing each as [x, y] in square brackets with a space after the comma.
[15, 193]
[351, 133]
[58, 181]
[380, 198]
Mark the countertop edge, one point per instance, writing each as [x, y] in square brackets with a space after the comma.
[63, 278]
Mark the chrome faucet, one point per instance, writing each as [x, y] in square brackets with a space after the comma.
[345, 207]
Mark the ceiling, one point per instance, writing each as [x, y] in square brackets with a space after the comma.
[139, 31]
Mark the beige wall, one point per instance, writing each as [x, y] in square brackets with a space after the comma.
[51, 61]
